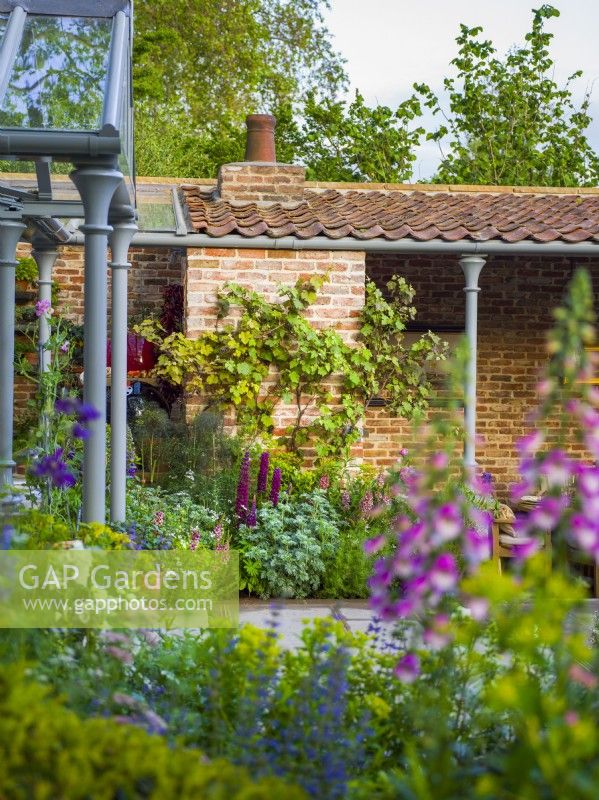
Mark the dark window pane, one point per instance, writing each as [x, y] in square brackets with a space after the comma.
[59, 75]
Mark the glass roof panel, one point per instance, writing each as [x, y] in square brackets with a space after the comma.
[155, 208]
[58, 78]
[19, 175]
[3, 21]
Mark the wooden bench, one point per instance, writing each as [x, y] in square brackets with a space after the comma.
[499, 551]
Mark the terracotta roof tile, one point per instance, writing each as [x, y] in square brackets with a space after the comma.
[422, 213]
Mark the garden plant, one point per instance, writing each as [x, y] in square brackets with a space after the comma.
[469, 683]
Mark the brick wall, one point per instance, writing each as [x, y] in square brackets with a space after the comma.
[515, 302]
[152, 268]
[338, 304]
[261, 182]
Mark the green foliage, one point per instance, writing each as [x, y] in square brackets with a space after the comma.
[231, 694]
[245, 56]
[48, 752]
[27, 270]
[35, 530]
[272, 353]
[502, 712]
[152, 432]
[285, 554]
[385, 365]
[347, 570]
[195, 457]
[341, 141]
[47, 430]
[508, 121]
[164, 518]
[204, 459]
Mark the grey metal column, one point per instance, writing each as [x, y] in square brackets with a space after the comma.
[471, 266]
[45, 256]
[96, 185]
[120, 239]
[10, 233]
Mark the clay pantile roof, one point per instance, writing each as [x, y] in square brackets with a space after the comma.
[392, 212]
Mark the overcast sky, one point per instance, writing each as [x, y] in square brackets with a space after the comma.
[390, 44]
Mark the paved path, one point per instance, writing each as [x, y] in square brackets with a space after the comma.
[356, 614]
[291, 615]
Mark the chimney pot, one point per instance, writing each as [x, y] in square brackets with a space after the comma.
[260, 142]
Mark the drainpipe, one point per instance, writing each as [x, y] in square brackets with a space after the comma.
[10, 233]
[119, 239]
[96, 183]
[471, 267]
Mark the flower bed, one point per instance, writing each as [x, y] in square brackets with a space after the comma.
[470, 683]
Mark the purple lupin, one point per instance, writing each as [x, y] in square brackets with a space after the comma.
[243, 489]
[263, 473]
[275, 487]
[252, 517]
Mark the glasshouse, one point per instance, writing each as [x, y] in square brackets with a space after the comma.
[299, 482]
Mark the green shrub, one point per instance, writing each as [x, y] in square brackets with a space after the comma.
[48, 753]
[348, 569]
[38, 531]
[27, 269]
[165, 519]
[284, 554]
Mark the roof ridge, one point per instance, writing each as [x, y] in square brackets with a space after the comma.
[451, 187]
[363, 186]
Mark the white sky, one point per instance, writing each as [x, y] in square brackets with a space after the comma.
[390, 44]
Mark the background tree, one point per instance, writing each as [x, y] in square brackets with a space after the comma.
[193, 92]
[340, 141]
[202, 65]
[508, 121]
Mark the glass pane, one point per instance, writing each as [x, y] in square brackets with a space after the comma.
[3, 20]
[155, 216]
[155, 207]
[58, 78]
[63, 187]
[18, 174]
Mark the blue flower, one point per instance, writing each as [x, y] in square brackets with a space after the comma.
[54, 467]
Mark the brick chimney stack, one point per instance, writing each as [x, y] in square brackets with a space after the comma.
[260, 178]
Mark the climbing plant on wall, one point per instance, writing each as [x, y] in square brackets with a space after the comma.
[269, 353]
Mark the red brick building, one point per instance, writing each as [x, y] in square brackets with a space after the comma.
[261, 225]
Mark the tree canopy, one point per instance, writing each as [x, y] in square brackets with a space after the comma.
[202, 65]
[508, 120]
